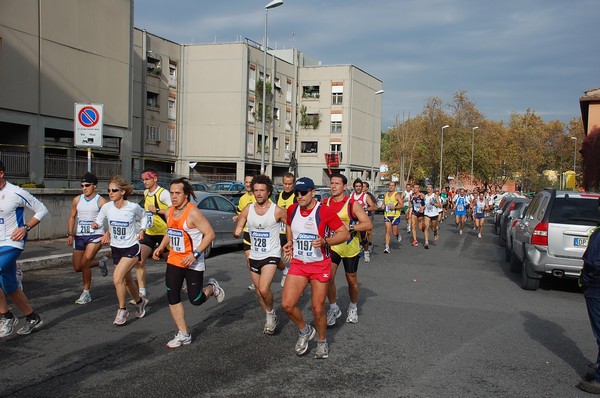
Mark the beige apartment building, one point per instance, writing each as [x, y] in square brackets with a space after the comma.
[191, 110]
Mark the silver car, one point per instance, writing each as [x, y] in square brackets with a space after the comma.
[219, 212]
[553, 234]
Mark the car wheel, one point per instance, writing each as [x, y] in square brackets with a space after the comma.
[506, 253]
[514, 264]
[528, 283]
[207, 251]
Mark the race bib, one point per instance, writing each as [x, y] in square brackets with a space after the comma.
[417, 207]
[259, 240]
[389, 208]
[460, 208]
[118, 229]
[149, 219]
[84, 228]
[429, 208]
[304, 247]
[176, 240]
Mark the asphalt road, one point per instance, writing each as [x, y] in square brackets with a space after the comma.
[450, 321]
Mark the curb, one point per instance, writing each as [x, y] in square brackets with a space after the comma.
[53, 260]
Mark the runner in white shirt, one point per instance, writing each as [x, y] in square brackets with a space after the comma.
[408, 193]
[13, 234]
[263, 220]
[124, 237]
[86, 242]
[432, 206]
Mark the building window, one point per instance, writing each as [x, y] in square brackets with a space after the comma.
[252, 78]
[288, 94]
[337, 95]
[172, 113]
[335, 148]
[288, 119]
[309, 147]
[153, 65]
[171, 139]
[276, 113]
[251, 118]
[336, 126]
[152, 134]
[249, 143]
[310, 92]
[152, 99]
[173, 75]
[275, 143]
[277, 84]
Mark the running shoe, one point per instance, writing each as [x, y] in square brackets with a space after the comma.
[20, 279]
[85, 298]
[460, 232]
[408, 229]
[141, 307]
[387, 249]
[282, 280]
[103, 265]
[251, 286]
[219, 293]
[270, 324]
[479, 235]
[399, 238]
[332, 315]
[7, 325]
[133, 302]
[436, 236]
[322, 350]
[352, 315]
[30, 324]
[415, 243]
[303, 339]
[179, 340]
[121, 317]
[426, 245]
[367, 256]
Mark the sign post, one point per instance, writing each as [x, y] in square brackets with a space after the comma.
[88, 128]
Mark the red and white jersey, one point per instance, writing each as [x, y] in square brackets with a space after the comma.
[361, 199]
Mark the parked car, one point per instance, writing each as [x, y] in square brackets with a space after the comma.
[500, 208]
[231, 186]
[551, 238]
[219, 211]
[199, 186]
[322, 193]
[514, 205]
[510, 233]
[380, 199]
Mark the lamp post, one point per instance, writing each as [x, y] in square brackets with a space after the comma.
[272, 4]
[472, 153]
[442, 155]
[574, 160]
[378, 92]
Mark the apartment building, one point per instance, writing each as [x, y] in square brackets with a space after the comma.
[51, 59]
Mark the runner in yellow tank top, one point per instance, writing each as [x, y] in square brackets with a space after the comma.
[392, 203]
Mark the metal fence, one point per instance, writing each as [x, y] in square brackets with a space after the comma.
[16, 163]
[58, 166]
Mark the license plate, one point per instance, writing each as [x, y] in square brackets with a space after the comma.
[580, 242]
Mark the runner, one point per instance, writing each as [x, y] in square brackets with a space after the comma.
[245, 200]
[391, 214]
[156, 205]
[444, 197]
[309, 226]
[284, 200]
[371, 213]
[407, 209]
[355, 218]
[417, 204]
[433, 204]
[263, 220]
[87, 243]
[123, 236]
[13, 235]
[480, 206]
[189, 235]
[460, 202]
[364, 200]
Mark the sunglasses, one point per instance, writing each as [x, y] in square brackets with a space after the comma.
[113, 190]
[86, 185]
[301, 193]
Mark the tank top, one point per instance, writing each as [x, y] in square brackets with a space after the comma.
[156, 223]
[461, 202]
[391, 202]
[351, 247]
[305, 230]
[430, 209]
[361, 199]
[407, 197]
[480, 206]
[87, 211]
[418, 204]
[264, 233]
[284, 203]
[183, 240]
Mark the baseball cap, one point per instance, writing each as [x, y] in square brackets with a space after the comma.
[90, 178]
[304, 184]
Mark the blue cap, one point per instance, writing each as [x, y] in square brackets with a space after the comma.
[304, 184]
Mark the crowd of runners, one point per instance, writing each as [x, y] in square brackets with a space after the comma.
[307, 240]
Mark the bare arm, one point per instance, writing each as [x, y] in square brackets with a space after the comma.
[71, 222]
[241, 222]
[364, 222]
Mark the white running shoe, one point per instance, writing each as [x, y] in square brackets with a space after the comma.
[121, 317]
[219, 293]
[85, 298]
[479, 235]
[141, 307]
[270, 324]
[103, 265]
[251, 286]
[282, 280]
[399, 238]
[352, 315]
[7, 325]
[367, 256]
[460, 231]
[302, 343]
[322, 350]
[30, 325]
[332, 315]
[180, 339]
[387, 249]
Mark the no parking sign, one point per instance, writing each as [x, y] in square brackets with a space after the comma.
[88, 125]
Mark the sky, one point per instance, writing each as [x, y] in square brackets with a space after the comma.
[508, 55]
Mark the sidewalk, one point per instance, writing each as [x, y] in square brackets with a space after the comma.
[40, 254]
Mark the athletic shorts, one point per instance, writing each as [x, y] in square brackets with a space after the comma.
[247, 243]
[405, 209]
[8, 268]
[394, 220]
[433, 218]
[256, 265]
[152, 241]
[174, 277]
[418, 215]
[129, 252]
[319, 271]
[81, 242]
[350, 263]
[479, 216]
[461, 213]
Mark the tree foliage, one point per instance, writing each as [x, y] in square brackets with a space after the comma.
[525, 149]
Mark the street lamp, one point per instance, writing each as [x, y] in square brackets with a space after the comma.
[378, 92]
[574, 160]
[272, 4]
[442, 155]
[472, 153]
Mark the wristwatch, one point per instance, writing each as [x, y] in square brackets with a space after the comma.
[27, 227]
[197, 254]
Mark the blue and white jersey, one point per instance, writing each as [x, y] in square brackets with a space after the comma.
[13, 201]
[460, 205]
[122, 223]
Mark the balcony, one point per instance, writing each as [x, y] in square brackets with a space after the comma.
[333, 159]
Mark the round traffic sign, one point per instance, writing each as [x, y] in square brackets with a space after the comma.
[88, 116]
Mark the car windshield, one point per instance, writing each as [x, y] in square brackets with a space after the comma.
[575, 211]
